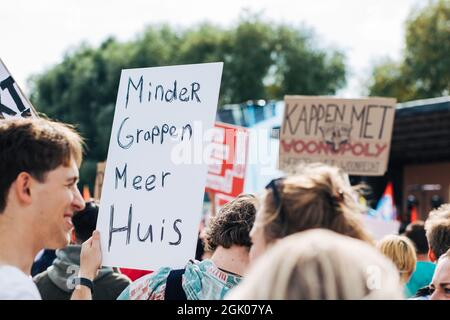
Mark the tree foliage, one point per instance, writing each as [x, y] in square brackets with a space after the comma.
[424, 71]
[261, 61]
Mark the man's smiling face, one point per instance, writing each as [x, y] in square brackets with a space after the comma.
[57, 198]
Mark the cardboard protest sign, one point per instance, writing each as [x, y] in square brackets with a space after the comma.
[13, 103]
[99, 179]
[153, 188]
[226, 169]
[353, 134]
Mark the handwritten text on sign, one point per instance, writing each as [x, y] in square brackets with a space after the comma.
[354, 134]
[13, 103]
[151, 205]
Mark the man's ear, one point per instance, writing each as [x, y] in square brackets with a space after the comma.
[431, 255]
[22, 187]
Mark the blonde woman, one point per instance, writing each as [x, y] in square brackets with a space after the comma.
[403, 253]
[320, 264]
[316, 196]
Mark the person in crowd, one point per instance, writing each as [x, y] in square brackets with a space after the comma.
[210, 279]
[43, 260]
[437, 228]
[320, 264]
[423, 274]
[315, 196]
[403, 253]
[39, 161]
[56, 283]
[440, 285]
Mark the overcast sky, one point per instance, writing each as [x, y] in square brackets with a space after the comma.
[35, 34]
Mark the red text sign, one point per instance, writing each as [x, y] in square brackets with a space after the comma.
[226, 170]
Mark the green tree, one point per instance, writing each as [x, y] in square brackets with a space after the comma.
[303, 69]
[388, 80]
[249, 59]
[207, 43]
[261, 60]
[424, 71]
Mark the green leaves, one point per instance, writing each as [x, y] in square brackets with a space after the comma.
[424, 71]
[262, 60]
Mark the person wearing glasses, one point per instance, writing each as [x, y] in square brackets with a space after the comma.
[320, 264]
[309, 243]
[316, 196]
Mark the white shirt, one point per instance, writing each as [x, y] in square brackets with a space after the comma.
[16, 285]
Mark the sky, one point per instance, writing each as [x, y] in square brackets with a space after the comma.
[36, 34]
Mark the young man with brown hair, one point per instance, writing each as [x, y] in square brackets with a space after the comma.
[39, 161]
[437, 227]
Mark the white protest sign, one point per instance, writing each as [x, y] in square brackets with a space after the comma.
[353, 134]
[13, 103]
[151, 203]
[379, 228]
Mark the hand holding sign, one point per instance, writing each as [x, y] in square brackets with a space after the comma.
[90, 257]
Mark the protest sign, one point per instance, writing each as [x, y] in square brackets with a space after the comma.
[378, 228]
[152, 197]
[13, 103]
[226, 168]
[353, 134]
[99, 179]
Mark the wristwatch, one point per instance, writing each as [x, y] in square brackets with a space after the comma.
[85, 282]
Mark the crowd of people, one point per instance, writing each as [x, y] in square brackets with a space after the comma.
[303, 235]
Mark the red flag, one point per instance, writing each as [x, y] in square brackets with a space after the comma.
[386, 208]
[86, 193]
[414, 215]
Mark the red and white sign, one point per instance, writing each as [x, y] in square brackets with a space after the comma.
[220, 200]
[226, 171]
